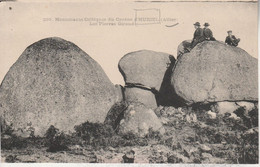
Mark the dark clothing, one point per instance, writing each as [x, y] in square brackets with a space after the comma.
[198, 34]
[208, 35]
[233, 41]
[197, 37]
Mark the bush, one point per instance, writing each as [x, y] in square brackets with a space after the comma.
[155, 135]
[248, 154]
[254, 116]
[55, 140]
[100, 135]
[5, 128]
[13, 142]
[90, 131]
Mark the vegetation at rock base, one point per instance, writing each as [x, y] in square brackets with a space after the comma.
[191, 136]
[101, 135]
[55, 140]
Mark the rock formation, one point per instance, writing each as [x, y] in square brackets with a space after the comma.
[147, 75]
[214, 72]
[55, 83]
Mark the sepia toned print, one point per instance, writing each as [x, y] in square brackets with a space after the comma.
[165, 82]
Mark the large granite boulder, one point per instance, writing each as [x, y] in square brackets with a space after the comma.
[151, 72]
[55, 83]
[214, 72]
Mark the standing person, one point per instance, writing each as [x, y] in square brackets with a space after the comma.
[207, 33]
[231, 39]
[198, 35]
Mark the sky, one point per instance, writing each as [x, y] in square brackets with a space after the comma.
[23, 23]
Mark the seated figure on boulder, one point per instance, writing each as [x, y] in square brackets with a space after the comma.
[207, 33]
[198, 35]
[231, 39]
[197, 38]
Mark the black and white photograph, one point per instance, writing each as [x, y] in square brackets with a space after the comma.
[129, 82]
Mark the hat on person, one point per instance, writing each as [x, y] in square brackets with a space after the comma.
[206, 24]
[229, 31]
[197, 24]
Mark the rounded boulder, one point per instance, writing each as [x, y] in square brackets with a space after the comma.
[214, 72]
[55, 83]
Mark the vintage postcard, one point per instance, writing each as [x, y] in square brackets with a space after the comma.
[142, 82]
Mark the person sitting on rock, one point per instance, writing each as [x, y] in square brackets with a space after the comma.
[207, 33]
[231, 39]
[197, 38]
[198, 35]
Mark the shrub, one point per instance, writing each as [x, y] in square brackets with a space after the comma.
[100, 135]
[13, 142]
[254, 116]
[90, 131]
[5, 128]
[55, 140]
[155, 135]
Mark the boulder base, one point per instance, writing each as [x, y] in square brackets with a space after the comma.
[138, 120]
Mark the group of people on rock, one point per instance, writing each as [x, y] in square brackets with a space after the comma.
[201, 35]
[206, 34]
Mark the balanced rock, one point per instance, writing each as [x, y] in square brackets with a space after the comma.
[55, 83]
[149, 71]
[139, 120]
[214, 72]
[145, 67]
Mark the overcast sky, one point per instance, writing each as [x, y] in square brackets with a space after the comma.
[22, 24]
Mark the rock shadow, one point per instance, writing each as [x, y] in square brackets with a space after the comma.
[167, 96]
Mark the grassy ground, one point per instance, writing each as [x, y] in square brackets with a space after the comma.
[192, 136]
